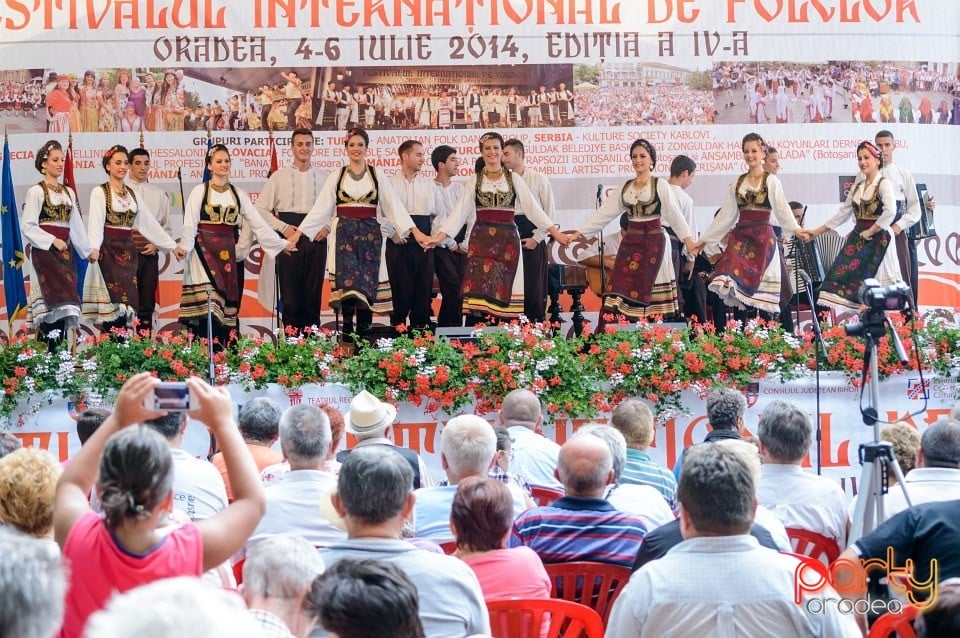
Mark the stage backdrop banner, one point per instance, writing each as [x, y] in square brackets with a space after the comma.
[842, 431]
[576, 80]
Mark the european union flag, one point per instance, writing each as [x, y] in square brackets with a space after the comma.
[13, 288]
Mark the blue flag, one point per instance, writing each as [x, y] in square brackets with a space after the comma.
[13, 288]
[206, 170]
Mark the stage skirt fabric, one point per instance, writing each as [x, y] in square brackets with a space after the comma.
[643, 282]
[748, 273]
[213, 263]
[859, 259]
[356, 263]
[110, 286]
[54, 295]
[493, 281]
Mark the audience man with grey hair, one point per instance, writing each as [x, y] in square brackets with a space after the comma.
[32, 586]
[583, 525]
[198, 490]
[634, 420]
[259, 421]
[936, 476]
[642, 501]
[719, 581]
[799, 499]
[370, 421]
[534, 456]
[375, 496]
[725, 410]
[468, 445]
[277, 576]
[293, 503]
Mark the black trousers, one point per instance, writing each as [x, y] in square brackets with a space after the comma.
[300, 276]
[450, 267]
[148, 278]
[535, 282]
[410, 271]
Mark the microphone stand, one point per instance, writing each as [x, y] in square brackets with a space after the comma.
[601, 246]
[818, 346]
[212, 371]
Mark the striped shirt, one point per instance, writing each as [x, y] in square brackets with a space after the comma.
[640, 469]
[579, 529]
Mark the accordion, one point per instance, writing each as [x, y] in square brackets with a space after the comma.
[807, 257]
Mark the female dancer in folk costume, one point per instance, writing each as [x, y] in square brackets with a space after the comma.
[359, 199]
[748, 272]
[116, 220]
[493, 280]
[59, 103]
[211, 228]
[52, 225]
[643, 281]
[868, 250]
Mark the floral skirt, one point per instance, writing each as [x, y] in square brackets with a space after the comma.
[643, 282]
[356, 265]
[748, 273]
[213, 263]
[53, 291]
[859, 259]
[110, 287]
[493, 280]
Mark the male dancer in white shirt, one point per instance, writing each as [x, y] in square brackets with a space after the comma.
[449, 258]
[158, 202]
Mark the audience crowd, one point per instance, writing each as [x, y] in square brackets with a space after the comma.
[284, 533]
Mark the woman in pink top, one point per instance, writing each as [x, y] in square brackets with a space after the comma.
[480, 519]
[125, 546]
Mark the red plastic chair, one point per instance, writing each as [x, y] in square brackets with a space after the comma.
[813, 545]
[542, 618]
[900, 624]
[595, 585]
[448, 547]
[544, 495]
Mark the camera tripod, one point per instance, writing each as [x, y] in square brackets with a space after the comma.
[876, 457]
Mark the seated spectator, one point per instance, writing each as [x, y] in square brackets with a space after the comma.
[534, 456]
[293, 503]
[28, 483]
[174, 608]
[370, 421]
[725, 410]
[634, 420]
[88, 421]
[274, 473]
[277, 575]
[582, 525]
[906, 443]
[937, 474]
[374, 497]
[799, 499]
[481, 517]
[32, 586]
[198, 490]
[8, 443]
[468, 445]
[719, 581]
[643, 501]
[259, 421]
[360, 598]
[943, 618]
[125, 547]
[766, 528]
[501, 462]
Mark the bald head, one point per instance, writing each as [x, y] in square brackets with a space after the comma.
[585, 466]
[521, 407]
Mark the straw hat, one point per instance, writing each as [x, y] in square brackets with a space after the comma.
[368, 414]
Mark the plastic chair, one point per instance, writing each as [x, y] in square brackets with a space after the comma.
[813, 545]
[238, 570]
[900, 624]
[595, 585]
[544, 495]
[542, 618]
[448, 547]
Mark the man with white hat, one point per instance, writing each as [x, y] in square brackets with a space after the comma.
[369, 420]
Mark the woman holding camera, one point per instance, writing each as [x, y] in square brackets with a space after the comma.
[868, 250]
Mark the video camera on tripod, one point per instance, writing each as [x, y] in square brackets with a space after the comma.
[895, 297]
